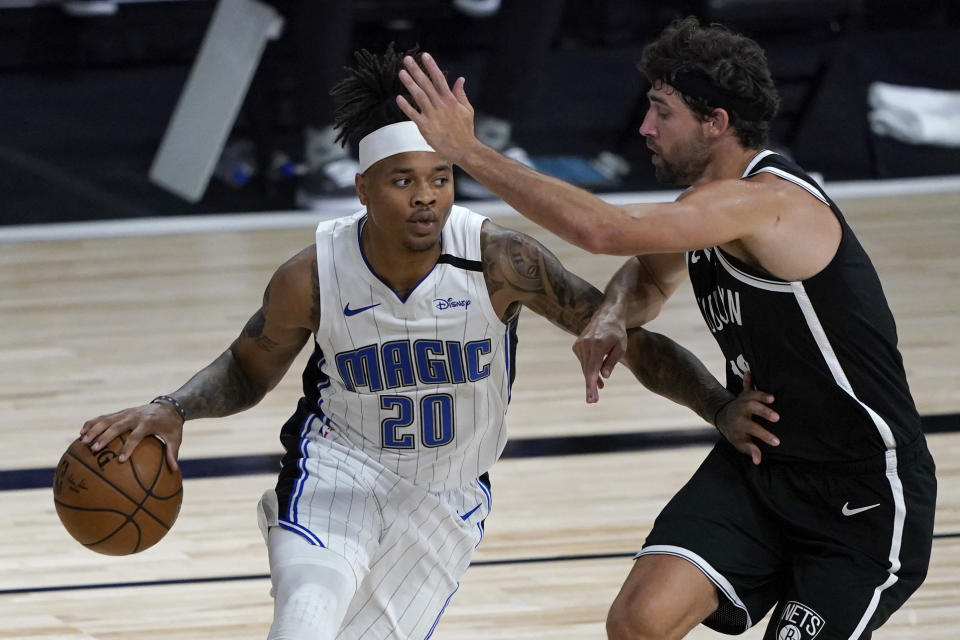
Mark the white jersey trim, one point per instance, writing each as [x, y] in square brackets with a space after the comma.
[756, 159]
[712, 574]
[872, 607]
[826, 350]
[780, 173]
[896, 487]
[779, 286]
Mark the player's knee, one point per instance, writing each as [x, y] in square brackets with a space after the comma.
[312, 590]
[630, 619]
[307, 604]
[305, 610]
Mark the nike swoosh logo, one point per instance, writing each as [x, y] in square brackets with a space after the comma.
[347, 311]
[847, 511]
[469, 513]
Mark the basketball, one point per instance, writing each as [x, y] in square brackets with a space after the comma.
[117, 508]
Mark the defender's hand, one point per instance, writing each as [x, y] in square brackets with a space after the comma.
[445, 117]
[735, 420]
[599, 348]
[150, 419]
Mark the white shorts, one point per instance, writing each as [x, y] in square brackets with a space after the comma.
[408, 546]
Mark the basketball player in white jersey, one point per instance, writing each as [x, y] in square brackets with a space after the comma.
[834, 529]
[412, 304]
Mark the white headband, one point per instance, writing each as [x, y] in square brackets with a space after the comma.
[399, 137]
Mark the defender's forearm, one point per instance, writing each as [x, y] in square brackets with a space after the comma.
[666, 368]
[633, 294]
[577, 216]
[219, 389]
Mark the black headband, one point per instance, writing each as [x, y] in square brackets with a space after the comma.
[697, 84]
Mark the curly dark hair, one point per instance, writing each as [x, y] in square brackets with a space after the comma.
[732, 68]
[366, 98]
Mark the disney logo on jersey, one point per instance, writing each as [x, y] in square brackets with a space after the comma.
[799, 622]
[442, 304]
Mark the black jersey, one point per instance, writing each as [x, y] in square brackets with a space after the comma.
[825, 347]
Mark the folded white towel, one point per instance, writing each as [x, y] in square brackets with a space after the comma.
[916, 115]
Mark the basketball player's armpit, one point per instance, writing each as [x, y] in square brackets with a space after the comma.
[219, 389]
[669, 370]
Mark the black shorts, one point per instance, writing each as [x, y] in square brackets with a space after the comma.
[837, 548]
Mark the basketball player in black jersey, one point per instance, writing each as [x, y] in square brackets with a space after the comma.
[832, 526]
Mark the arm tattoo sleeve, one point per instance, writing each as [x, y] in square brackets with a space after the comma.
[669, 370]
[219, 389]
[254, 330]
[519, 264]
[222, 388]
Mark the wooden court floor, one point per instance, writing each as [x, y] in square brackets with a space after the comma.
[94, 325]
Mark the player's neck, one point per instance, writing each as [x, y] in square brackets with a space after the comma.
[396, 265]
[729, 161]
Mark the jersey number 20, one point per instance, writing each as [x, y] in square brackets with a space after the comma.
[436, 421]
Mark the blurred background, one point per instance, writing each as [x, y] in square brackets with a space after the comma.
[152, 114]
[88, 90]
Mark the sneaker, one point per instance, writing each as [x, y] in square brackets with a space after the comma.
[327, 170]
[333, 179]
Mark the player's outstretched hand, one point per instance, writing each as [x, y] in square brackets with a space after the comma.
[445, 116]
[735, 420]
[157, 419]
[599, 348]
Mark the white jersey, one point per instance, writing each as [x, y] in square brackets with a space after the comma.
[420, 384]
[403, 412]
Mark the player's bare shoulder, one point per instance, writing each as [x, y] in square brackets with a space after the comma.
[780, 194]
[496, 246]
[294, 290]
[514, 264]
[799, 233]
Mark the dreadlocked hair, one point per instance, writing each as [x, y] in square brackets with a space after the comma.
[366, 98]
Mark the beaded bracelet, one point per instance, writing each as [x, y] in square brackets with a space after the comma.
[170, 400]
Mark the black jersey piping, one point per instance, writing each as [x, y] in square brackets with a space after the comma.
[460, 263]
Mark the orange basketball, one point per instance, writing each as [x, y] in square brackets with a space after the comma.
[117, 508]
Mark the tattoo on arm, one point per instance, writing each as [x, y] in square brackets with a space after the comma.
[222, 388]
[256, 323]
[255, 362]
[521, 266]
[219, 389]
[254, 330]
[668, 369]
